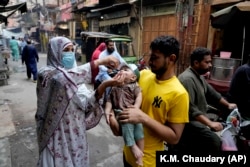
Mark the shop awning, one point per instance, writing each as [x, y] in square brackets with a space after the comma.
[242, 6]
[114, 6]
[222, 2]
[22, 7]
[234, 19]
[222, 17]
[84, 9]
[122, 20]
[8, 33]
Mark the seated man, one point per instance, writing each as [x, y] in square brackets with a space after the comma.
[198, 134]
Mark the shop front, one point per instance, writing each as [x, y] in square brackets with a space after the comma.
[231, 29]
[230, 34]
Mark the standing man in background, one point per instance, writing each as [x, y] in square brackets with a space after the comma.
[30, 57]
[22, 45]
[14, 46]
[103, 73]
[110, 50]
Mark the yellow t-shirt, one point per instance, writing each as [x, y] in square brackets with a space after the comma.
[164, 101]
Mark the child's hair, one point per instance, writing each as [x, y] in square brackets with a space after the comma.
[134, 68]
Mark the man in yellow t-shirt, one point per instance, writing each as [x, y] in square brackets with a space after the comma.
[164, 109]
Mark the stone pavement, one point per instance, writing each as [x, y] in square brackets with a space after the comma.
[18, 145]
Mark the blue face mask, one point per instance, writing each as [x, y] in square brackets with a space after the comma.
[68, 59]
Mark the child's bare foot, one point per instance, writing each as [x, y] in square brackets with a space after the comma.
[138, 154]
[139, 161]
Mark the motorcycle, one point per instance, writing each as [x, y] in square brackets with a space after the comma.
[142, 62]
[235, 135]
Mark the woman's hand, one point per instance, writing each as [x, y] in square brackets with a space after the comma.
[118, 79]
[109, 61]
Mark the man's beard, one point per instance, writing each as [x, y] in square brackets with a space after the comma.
[202, 71]
[159, 72]
[110, 50]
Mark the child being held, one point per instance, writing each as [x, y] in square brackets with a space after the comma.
[124, 96]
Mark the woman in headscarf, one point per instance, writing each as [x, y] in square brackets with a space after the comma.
[65, 107]
[95, 56]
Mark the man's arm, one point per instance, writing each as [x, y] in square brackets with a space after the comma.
[194, 111]
[175, 119]
[225, 103]
[191, 88]
[24, 54]
[171, 132]
[217, 97]
[212, 93]
[37, 57]
[138, 99]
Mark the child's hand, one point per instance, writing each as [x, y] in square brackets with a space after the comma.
[107, 115]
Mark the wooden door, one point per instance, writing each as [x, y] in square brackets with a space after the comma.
[155, 26]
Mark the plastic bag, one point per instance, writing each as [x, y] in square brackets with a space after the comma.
[228, 140]
[228, 135]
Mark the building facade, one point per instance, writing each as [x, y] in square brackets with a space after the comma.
[187, 20]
